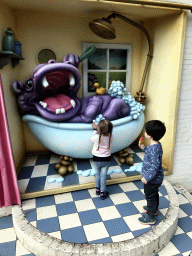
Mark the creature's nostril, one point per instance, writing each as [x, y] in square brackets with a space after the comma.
[51, 61]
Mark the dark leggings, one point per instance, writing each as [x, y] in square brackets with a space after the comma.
[152, 196]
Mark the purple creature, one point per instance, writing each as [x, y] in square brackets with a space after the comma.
[52, 94]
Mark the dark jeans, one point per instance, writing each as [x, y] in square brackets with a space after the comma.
[152, 196]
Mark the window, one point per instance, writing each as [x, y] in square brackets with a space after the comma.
[109, 62]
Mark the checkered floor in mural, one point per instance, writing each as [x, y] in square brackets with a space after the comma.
[81, 217]
[38, 170]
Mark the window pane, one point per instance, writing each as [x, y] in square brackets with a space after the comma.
[98, 60]
[96, 77]
[117, 76]
[117, 59]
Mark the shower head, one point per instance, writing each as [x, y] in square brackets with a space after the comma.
[103, 28]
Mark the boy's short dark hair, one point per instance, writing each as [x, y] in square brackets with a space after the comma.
[156, 129]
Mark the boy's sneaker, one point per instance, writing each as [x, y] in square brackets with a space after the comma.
[104, 195]
[97, 191]
[146, 220]
[145, 208]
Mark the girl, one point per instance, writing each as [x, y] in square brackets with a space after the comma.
[101, 138]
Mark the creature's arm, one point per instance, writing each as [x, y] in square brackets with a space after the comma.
[117, 109]
[93, 109]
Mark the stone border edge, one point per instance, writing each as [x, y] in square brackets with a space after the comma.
[147, 244]
[184, 192]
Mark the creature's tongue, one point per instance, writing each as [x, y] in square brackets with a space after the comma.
[59, 101]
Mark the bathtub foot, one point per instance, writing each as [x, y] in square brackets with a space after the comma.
[65, 166]
[125, 157]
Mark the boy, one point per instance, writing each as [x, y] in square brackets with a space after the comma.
[152, 171]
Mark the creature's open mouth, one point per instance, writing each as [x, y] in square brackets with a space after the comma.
[55, 88]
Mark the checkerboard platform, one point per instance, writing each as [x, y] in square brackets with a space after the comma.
[81, 217]
[37, 170]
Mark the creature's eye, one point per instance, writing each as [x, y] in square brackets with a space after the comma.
[29, 85]
[51, 61]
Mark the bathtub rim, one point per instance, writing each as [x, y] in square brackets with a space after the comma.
[74, 126]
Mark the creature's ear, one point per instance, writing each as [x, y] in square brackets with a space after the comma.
[72, 59]
[17, 87]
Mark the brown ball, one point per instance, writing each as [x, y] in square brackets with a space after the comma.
[65, 162]
[121, 160]
[61, 157]
[70, 159]
[124, 154]
[57, 166]
[62, 170]
[66, 158]
[129, 160]
[70, 168]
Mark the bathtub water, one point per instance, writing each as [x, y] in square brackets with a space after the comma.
[73, 139]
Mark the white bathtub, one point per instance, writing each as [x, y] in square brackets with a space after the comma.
[73, 139]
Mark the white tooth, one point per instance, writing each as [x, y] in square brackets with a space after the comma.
[44, 105]
[40, 102]
[44, 82]
[73, 103]
[72, 80]
[62, 110]
[58, 111]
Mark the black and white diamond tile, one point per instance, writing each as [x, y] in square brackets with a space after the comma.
[81, 217]
[37, 170]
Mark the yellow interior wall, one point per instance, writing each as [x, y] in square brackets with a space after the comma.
[163, 83]
[8, 74]
[65, 34]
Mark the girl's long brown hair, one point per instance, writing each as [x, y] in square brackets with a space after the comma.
[105, 127]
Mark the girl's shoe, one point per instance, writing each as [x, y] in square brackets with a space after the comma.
[145, 208]
[146, 220]
[97, 191]
[104, 195]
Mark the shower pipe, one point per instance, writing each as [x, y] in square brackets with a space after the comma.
[150, 52]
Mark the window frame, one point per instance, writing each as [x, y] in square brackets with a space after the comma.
[126, 47]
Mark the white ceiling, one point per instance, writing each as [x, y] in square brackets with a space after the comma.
[92, 7]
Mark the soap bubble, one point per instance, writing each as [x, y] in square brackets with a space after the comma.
[98, 119]
[118, 90]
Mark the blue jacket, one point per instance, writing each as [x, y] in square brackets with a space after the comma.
[152, 169]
